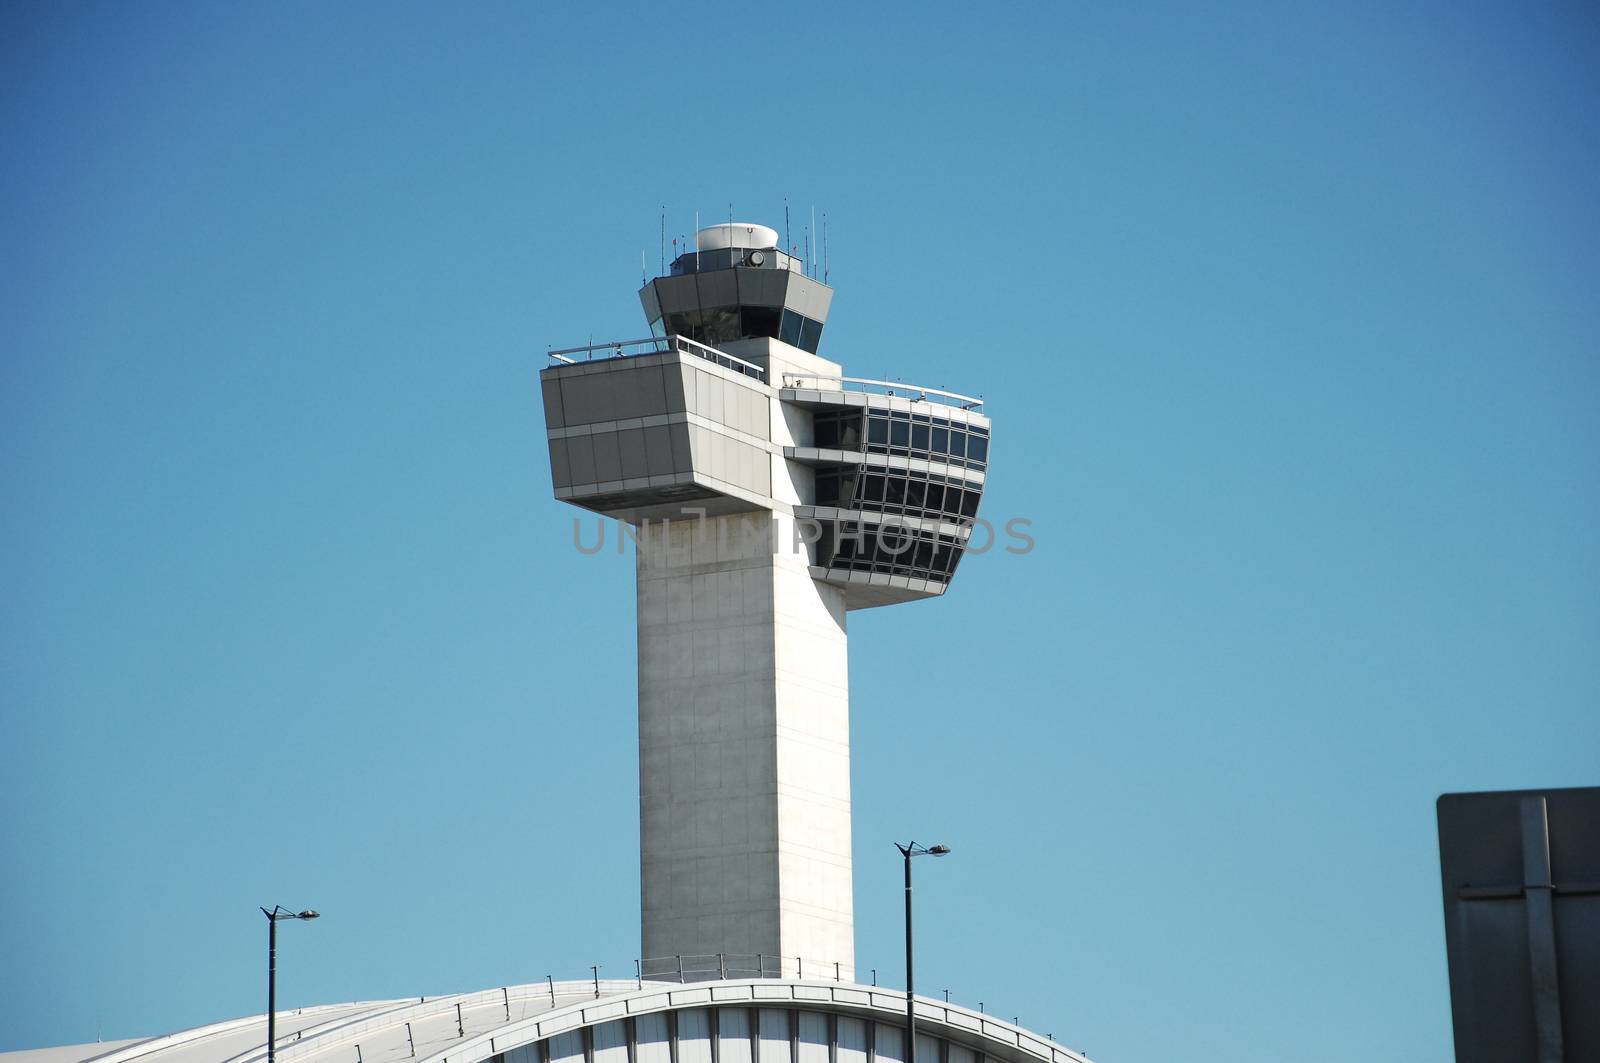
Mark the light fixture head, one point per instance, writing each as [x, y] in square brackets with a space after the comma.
[309, 914]
[939, 850]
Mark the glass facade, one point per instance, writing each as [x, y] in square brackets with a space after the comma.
[890, 549]
[904, 492]
[905, 435]
[899, 494]
[724, 324]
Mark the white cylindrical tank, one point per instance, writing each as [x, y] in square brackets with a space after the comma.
[735, 234]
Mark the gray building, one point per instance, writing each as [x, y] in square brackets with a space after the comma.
[770, 495]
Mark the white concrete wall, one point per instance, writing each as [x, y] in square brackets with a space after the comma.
[744, 771]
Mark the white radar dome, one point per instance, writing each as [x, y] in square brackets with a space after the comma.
[735, 234]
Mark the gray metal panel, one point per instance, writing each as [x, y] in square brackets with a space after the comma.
[658, 450]
[759, 410]
[580, 453]
[579, 399]
[649, 302]
[682, 453]
[717, 288]
[698, 444]
[806, 297]
[824, 302]
[560, 469]
[748, 467]
[762, 287]
[642, 392]
[707, 396]
[1521, 877]
[678, 293]
[630, 445]
[672, 376]
[763, 482]
[607, 457]
[552, 403]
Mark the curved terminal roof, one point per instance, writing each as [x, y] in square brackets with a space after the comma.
[508, 1025]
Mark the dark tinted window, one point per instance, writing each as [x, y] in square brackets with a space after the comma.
[977, 448]
[878, 431]
[789, 328]
[919, 437]
[760, 320]
[941, 440]
[720, 324]
[810, 335]
[899, 433]
[684, 323]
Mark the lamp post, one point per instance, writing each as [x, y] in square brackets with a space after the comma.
[908, 851]
[276, 915]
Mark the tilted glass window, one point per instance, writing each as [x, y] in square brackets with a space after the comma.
[760, 320]
[789, 328]
[719, 324]
[684, 323]
[810, 335]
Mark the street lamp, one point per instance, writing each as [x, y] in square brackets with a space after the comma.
[908, 851]
[274, 917]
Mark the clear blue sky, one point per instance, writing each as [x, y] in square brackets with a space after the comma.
[1287, 317]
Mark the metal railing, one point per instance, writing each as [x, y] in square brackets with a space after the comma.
[657, 345]
[883, 387]
[724, 965]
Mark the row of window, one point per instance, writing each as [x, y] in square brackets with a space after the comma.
[889, 549]
[738, 1035]
[904, 435]
[724, 324]
[897, 491]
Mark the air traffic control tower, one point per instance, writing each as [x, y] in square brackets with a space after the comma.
[770, 495]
